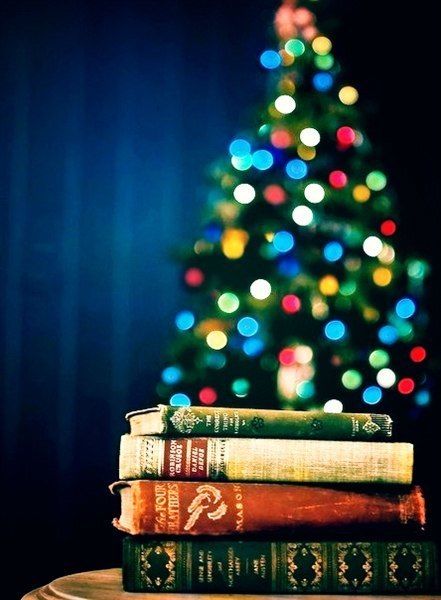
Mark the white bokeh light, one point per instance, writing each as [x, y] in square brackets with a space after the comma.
[244, 193]
[302, 215]
[372, 245]
[285, 104]
[386, 378]
[314, 193]
[309, 136]
[333, 406]
[260, 289]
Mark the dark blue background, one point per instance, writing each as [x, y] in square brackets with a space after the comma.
[110, 114]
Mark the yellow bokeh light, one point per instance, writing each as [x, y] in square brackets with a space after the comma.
[233, 242]
[227, 210]
[387, 255]
[328, 285]
[208, 325]
[216, 340]
[371, 314]
[287, 59]
[319, 308]
[286, 86]
[306, 152]
[322, 45]
[227, 181]
[273, 112]
[303, 354]
[382, 276]
[348, 95]
[361, 193]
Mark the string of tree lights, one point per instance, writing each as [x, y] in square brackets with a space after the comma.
[298, 296]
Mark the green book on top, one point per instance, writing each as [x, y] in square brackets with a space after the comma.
[199, 421]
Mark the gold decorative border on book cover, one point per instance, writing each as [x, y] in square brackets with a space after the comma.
[158, 566]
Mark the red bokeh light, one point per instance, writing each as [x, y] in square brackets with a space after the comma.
[388, 227]
[346, 136]
[291, 304]
[287, 357]
[274, 194]
[406, 385]
[194, 277]
[418, 354]
[208, 395]
[338, 179]
[280, 138]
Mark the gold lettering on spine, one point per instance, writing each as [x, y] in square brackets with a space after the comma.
[217, 458]
[238, 503]
[230, 566]
[175, 459]
[167, 517]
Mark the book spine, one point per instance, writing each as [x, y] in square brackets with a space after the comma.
[246, 459]
[230, 422]
[228, 566]
[191, 508]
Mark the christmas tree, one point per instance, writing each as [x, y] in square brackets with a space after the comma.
[299, 298]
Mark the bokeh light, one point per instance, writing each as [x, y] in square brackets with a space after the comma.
[285, 104]
[314, 193]
[260, 289]
[247, 326]
[184, 320]
[216, 340]
[302, 215]
[244, 193]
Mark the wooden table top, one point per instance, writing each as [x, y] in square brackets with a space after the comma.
[106, 585]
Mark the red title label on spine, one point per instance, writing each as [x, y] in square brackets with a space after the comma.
[186, 458]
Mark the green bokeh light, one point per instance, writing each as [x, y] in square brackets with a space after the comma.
[240, 387]
[376, 181]
[324, 62]
[351, 379]
[228, 302]
[295, 47]
[379, 359]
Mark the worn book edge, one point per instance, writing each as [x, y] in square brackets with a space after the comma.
[412, 504]
[230, 459]
[158, 416]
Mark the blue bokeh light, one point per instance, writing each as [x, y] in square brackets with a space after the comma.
[185, 320]
[240, 148]
[283, 241]
[296, 169]
[322, 81]
[171, 375]
[270, 59]
[288, 266]
[213, 232]
[405, 308]
[335, 330]
[253, 346]
[388, 335]
[333, 251]
[372, 394]
[247, 326]
[262, 159]
[422, 398]
[180, 399]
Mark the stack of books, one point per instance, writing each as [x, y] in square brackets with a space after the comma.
[266, 501]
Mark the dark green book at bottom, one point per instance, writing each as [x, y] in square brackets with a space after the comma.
[198, 565]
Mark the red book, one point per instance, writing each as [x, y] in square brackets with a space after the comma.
[206, 508]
